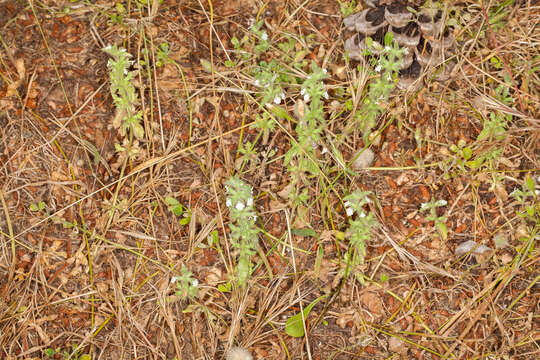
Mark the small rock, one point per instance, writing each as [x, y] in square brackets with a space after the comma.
[363, 160]
[469, 245]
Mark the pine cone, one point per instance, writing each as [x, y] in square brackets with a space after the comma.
[421, 30]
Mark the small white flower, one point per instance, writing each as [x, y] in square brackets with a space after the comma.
[283, 96]
[277, 100]
[368, 200]
[254, 217]
[195, 283]
[324, 70]
[423, 206]
[387, 48]
[240, 206]
[306, 97]
[349, 211]
[362, 214]
[107, 48]
[443, 202]
[257, 82]
[264, 36]
[249, 202]
[378, 68]
[173, 279]
[125, 72]
[228, 202]
[326, 95]
[347, 203]
[324, 150]
[302, 92]
[406, 51]
[537, 192]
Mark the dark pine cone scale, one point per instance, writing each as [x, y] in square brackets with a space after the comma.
[421, 30]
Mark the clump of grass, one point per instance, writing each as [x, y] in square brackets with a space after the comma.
[243, 230]
[439, 221]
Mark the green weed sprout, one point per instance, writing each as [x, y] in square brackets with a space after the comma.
[531, 210]
[187, 286]
[432, 206]
[359, 231]
[123, 92]
[178, 209]
[243, 230]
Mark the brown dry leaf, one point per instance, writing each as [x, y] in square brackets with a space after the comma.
[214, 276]
[42, 334]
[302, 217]
[21, 71]
[499, 191]
[102, 287]
[344, 317]
[373, 302]
[284, 193]
[506, 258]
[397, 345]
[168, 85]
[325, 270]
[339, 71]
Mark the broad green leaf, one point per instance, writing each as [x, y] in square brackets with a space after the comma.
[529, 183]
[443, 230]
[207, 66]
[294, 325]
[279, 112]
[388, 37]
[467, 153]
[225, 287]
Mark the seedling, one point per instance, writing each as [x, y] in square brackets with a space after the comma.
[178, 209]
[432, 206]
[186, 284]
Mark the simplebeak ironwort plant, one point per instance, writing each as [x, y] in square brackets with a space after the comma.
[123, 92]
[243, 230]
[359, 231]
